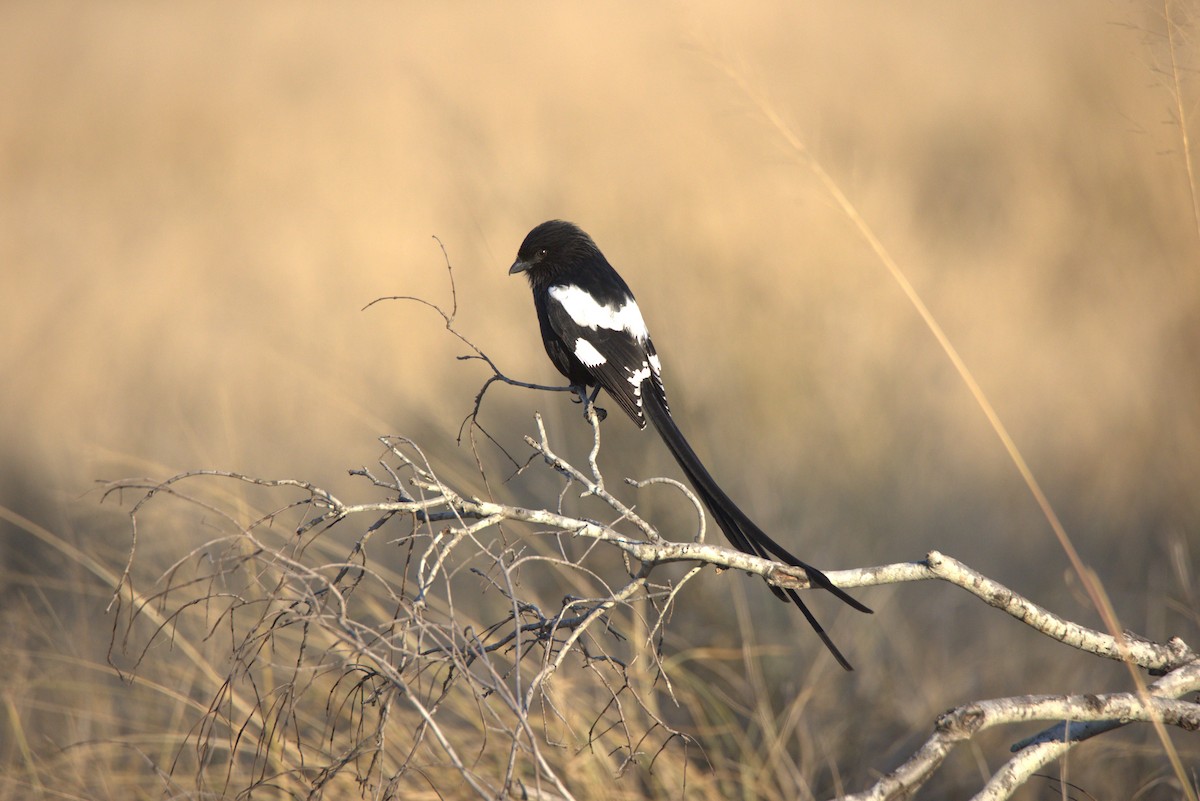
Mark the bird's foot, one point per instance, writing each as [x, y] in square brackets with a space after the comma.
[589, 403]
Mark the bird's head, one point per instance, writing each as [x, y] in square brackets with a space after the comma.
[553, 246]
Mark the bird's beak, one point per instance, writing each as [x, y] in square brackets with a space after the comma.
[518, 267]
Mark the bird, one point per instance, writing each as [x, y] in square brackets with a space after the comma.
[596, 336]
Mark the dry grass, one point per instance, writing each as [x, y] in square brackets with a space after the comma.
[196, 200]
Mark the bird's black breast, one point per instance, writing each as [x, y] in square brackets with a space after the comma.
[561, 354]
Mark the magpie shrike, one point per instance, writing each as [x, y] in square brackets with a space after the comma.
[594, 333]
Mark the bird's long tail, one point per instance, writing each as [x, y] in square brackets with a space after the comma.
[740, 529]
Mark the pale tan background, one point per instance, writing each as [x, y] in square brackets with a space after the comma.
[197, 200]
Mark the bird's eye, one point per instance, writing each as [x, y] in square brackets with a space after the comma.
[541, 253]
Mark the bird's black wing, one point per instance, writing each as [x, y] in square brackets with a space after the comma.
[615, 357]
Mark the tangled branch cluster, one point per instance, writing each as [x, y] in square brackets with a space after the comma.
[453, 638]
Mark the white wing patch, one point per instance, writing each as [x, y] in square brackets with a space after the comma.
[636, 377]
[586, 352]
[587, 312]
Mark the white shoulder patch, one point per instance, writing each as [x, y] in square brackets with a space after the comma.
[588, 313]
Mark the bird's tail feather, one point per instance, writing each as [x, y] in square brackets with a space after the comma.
[742, 532]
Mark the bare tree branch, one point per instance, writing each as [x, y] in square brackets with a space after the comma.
[1143, 652]
[1103, 712]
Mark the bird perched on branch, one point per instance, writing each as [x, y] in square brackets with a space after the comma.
[596, 336]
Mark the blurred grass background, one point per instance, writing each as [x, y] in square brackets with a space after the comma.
[197, 200]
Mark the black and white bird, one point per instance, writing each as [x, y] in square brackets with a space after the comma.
[596, 336]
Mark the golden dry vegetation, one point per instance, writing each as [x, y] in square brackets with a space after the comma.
[198, 199]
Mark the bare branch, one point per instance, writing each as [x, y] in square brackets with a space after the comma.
[963, 723]
[1144, 653]
[477, 354]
